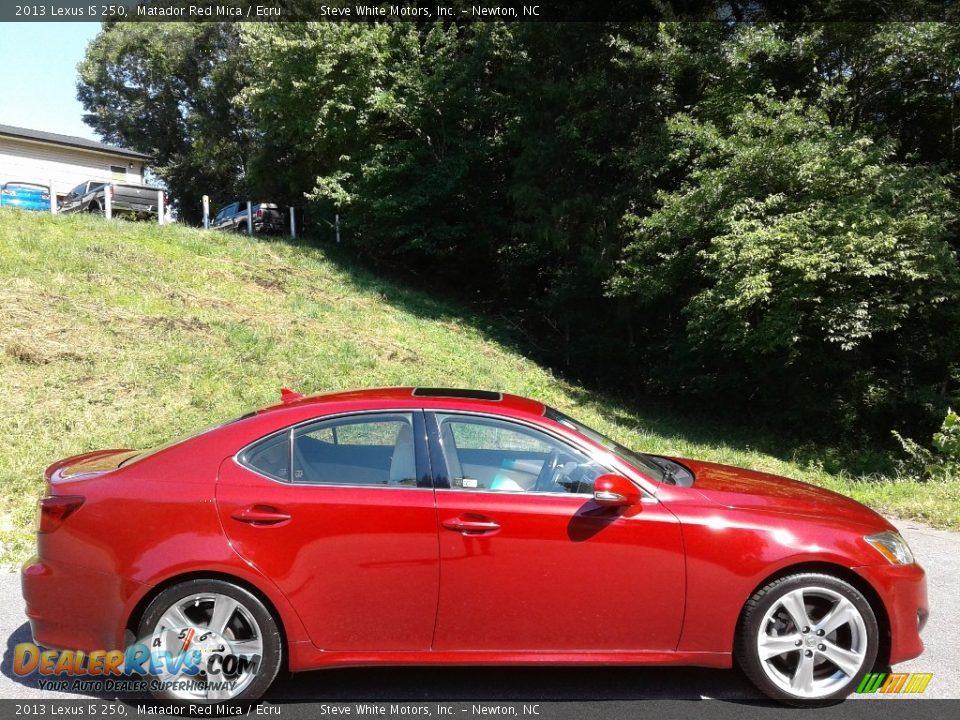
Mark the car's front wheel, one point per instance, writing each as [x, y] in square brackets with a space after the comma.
[807, 638]
[210, 641]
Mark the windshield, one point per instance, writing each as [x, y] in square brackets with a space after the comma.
[642, 462]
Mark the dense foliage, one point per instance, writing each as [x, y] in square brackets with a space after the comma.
[168, 90]
[757, 216]
[940, 461]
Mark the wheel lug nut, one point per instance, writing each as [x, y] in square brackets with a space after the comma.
[808, 653]
[806, 629]
[820, 633]
[798, 643]
[821, 647]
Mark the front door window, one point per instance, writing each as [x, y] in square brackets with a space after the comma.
[494, 455]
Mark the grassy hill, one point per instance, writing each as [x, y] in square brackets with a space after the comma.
[115, 334]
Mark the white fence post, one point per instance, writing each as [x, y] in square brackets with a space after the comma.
[53, 197]
[160, 208]
[206, 212]
[108, 201]
[293, 224]
[336, 219]
[249, 217]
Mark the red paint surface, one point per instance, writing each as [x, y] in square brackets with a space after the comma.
[396, 575]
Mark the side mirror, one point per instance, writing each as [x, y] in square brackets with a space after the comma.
[615, 491]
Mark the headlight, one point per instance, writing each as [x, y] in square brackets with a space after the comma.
[892, 546]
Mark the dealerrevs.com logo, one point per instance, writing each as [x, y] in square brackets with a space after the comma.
[201, 662]
[893, 683]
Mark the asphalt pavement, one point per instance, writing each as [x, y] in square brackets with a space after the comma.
[937, 550]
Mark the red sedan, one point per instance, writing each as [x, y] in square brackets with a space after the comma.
[413, 526]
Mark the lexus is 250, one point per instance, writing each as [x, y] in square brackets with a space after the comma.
[419, 526]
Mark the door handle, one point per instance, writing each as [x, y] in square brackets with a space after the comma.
[261, 515]
[471, 526]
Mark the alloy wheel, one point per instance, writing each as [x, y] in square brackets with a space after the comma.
[812, 642]
[210, 624]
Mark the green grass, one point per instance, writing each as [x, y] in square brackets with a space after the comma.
[114, 334]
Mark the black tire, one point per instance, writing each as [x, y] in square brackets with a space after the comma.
[94, 209]
[271, 639]
[754, 612]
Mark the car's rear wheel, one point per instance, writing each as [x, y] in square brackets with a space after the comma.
[807, 639]
[217, 642]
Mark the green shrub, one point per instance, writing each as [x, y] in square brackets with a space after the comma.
[942, 462]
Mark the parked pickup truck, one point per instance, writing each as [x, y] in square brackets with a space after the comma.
[266, 217]
[90, 196]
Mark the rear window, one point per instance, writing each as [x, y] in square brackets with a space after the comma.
[270, 456]
[25, 186]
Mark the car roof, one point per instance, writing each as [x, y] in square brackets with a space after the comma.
[23, 183]
[427, 397]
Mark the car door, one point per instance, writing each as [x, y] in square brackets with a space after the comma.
[89, 196]
[72, 198]
[239, 220]
[530, 563]
[340, 514]
[221, 217]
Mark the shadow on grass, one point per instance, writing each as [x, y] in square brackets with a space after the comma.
[679, 419]
[693, 424]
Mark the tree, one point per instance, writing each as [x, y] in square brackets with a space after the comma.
[167, 89]
[811, 269]
[757, 215]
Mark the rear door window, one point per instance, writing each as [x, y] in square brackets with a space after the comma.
[369, 450]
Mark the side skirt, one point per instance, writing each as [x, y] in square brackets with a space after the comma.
[305, 656]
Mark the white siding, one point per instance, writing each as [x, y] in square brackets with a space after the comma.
[67, 167]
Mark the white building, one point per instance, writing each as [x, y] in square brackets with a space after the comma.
[66, 161]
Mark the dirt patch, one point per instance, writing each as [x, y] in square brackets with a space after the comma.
[38, 351]
[392, 351]
[169, 322]
[273, 283]
[33, 331]
[25, 354]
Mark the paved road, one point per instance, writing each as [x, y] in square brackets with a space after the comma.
[937, 550]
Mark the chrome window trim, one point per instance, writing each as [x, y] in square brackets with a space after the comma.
[515, 493]
[291, 429]
[631, 473]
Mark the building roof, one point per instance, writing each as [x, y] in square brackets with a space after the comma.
[68, 141]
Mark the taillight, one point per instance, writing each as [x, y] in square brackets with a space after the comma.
[259, 213]
[54, 509]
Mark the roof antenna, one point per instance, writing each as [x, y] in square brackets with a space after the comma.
[288, 396]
